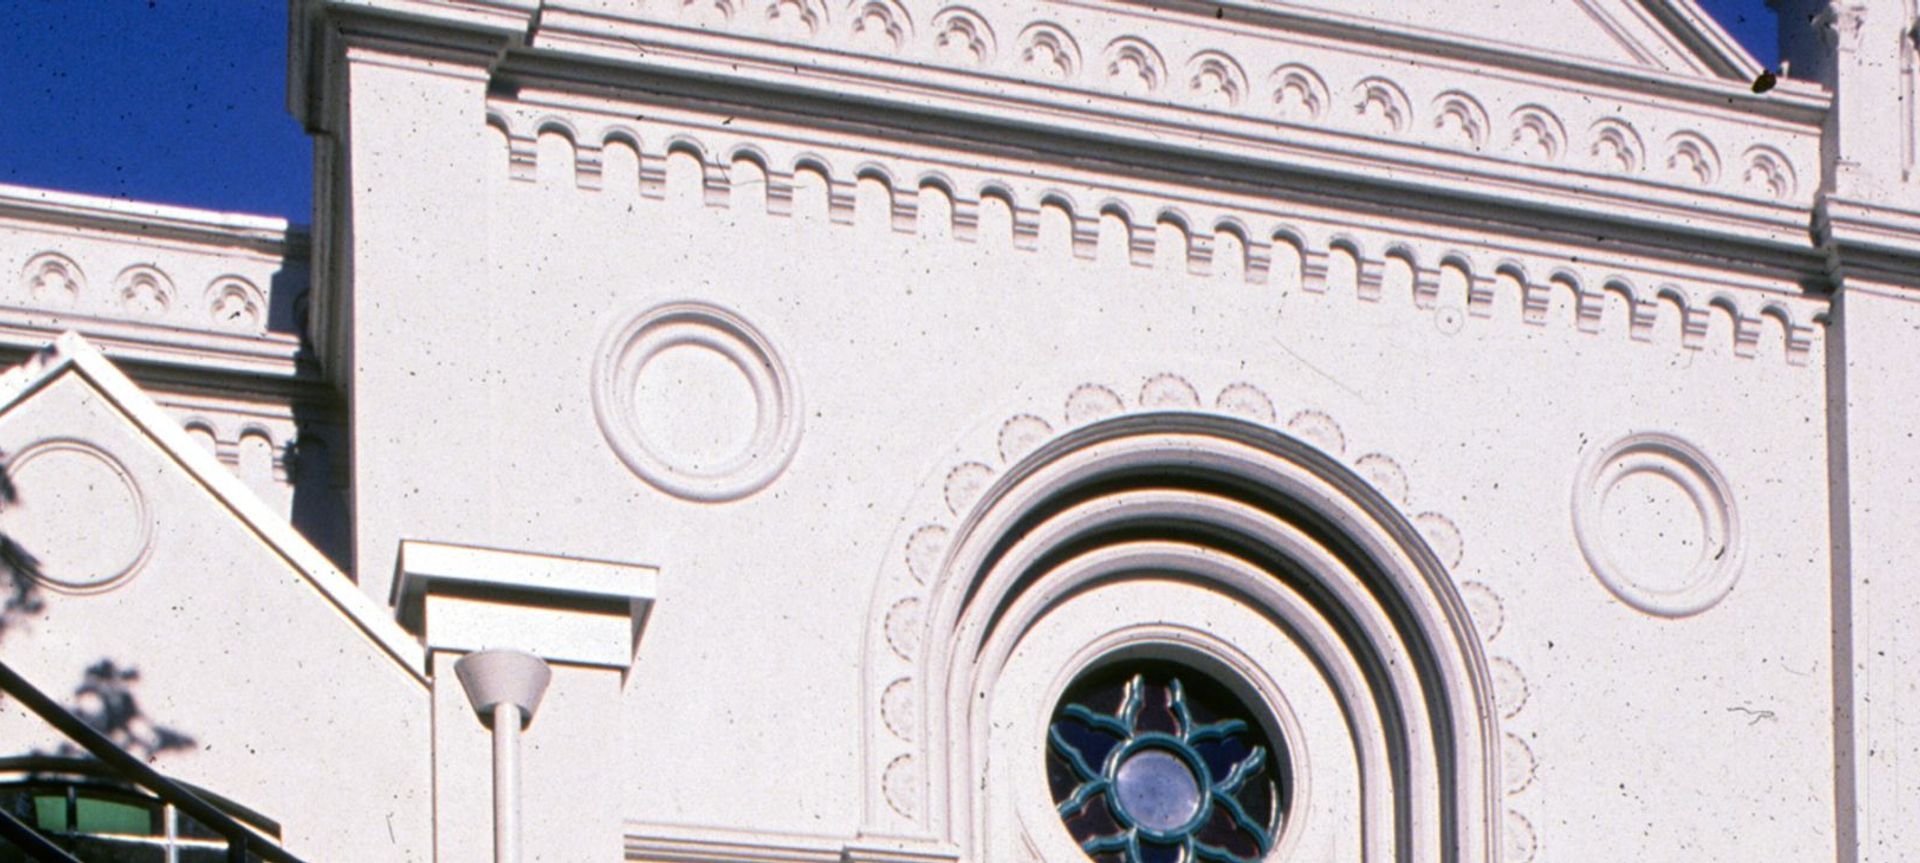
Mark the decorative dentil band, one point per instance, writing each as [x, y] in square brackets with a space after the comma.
[1289, 249]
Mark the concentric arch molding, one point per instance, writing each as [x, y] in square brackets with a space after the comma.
[906, 789]
[80, 513]
[1679, 470]
[691, 327]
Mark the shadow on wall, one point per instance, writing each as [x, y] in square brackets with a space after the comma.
[17, 565]
[316, 468]
[316, 456]
[104, 698]
[287, 296]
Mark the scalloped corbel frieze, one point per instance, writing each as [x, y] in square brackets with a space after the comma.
[1692, 160]
[881, 26]
[1767, 173]
[798, 19]
[144, 290]
[1460, 121]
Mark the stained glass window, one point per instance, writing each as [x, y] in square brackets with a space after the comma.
[1152, 762]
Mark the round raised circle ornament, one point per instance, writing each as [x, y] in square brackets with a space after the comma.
[1656, 521]
[696, 401]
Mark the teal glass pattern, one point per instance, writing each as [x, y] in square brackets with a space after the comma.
[1158, 765]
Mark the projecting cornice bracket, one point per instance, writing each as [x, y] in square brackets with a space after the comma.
[561, 609]
[1868, 241]
[484, 29]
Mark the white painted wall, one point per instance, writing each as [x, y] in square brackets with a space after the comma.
[1464, 276]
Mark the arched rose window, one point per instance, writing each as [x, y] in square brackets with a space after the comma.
[1156, 763]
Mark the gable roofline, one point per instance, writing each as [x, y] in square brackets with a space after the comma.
[1704, 36]
[72, 352]
[1718, 57]
[1687, 30]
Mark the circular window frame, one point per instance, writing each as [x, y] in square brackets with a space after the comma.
[1203, 653]
[625, 352]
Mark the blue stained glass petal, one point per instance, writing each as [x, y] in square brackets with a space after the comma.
[1157, 790]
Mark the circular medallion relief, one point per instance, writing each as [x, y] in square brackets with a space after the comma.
[1656, 522]
[696, 401]
[1152, 761]
[79, 514]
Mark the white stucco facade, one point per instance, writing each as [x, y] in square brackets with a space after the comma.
[1509, 406]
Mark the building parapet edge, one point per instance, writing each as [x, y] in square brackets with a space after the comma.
[267, 356]
[147, 220]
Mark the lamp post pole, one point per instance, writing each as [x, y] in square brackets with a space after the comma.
[505, 686]
[506, 783]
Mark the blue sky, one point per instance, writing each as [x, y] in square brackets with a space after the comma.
[183, 101]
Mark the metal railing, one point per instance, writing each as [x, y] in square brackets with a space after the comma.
[243, 843]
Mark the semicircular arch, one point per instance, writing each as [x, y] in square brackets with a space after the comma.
[1232, 488]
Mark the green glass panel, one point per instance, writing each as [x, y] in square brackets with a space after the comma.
[50, 812]
[114, 816]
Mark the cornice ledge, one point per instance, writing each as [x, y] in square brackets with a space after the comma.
[672, 843]
[271, 363]
[557, 607]
[1872, 241]
[940, 105]
[149, 221]
[473, 31]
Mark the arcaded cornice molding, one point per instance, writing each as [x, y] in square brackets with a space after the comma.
[177, 294]
[1330, 167]
[1714, 49]
[1208, 110]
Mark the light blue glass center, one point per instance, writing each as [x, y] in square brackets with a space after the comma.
[1157, 790]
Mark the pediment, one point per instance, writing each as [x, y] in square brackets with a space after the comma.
[151, 556]
[104, 476]
[1670, 36]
